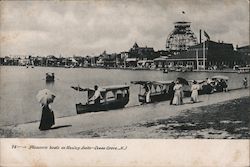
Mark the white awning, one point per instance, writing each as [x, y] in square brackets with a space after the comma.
[160, 59]
[131, 59]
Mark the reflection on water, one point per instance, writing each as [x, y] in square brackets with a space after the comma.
[19, 86]
[49, 84]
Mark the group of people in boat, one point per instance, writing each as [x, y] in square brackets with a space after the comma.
[214, 85]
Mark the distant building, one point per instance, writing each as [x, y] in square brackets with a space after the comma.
[107, 60]
[24, 61]
[161, 60]
[51, 60]
[216, 55]
[244, 51]
[142, 53]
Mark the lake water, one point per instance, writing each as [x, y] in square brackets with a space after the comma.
[19, 86]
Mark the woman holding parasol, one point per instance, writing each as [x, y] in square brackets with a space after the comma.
[45, 97]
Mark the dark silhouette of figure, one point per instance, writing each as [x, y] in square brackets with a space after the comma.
[245, 82]
[223, 85]
[171, 92]
[48, 119]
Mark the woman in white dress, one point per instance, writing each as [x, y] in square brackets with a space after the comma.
[177, 94]
[194, 96]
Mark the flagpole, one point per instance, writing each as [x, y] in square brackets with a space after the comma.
[204, 55]
[197, 61]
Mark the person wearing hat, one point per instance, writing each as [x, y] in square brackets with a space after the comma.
[194, 95]
[178, 93]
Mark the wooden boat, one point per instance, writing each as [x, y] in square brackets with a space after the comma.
[113, 97]
[50, 77]
[214, 85]
[244, 70]
[158, 91]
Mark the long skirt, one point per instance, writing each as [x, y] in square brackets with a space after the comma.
[177, 98]
[194, 96]
[47, 119]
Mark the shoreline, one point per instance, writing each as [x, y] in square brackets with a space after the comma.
[215, 121]
[133, 69]
[126, 107]
[82, 125]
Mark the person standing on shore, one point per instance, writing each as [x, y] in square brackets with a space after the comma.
[178, 93]
[45, 97]
[224, 85]
[47, 119]
[245, 82]
[194, 95]
[171, 92]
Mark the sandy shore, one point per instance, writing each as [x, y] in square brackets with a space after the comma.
[224, 120]
[159, 120]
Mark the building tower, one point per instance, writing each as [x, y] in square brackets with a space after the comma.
[181, 38]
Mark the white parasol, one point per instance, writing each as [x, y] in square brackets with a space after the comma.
[45, 97]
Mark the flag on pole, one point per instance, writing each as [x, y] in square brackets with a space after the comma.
[206, 35]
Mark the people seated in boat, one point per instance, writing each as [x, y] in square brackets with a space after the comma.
[217, 86]
[97, 96]
[208, 86]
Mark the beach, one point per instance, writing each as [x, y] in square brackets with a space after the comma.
[158, 120]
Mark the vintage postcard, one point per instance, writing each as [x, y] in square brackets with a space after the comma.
[124, 83]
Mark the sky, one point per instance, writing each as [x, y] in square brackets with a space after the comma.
[83, 28]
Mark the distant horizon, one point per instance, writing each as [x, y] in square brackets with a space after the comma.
[81, 28]
[81, 55]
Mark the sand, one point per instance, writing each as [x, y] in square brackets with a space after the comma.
[158, 120]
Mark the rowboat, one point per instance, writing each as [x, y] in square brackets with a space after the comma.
[113, 97]
[50, 77]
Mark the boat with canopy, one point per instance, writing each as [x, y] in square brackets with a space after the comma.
[112, 97]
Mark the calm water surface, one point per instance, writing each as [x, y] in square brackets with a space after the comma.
[19, 86]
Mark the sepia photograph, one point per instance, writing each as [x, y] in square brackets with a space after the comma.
[106, 69]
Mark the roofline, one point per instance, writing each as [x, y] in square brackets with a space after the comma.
[186, 59]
